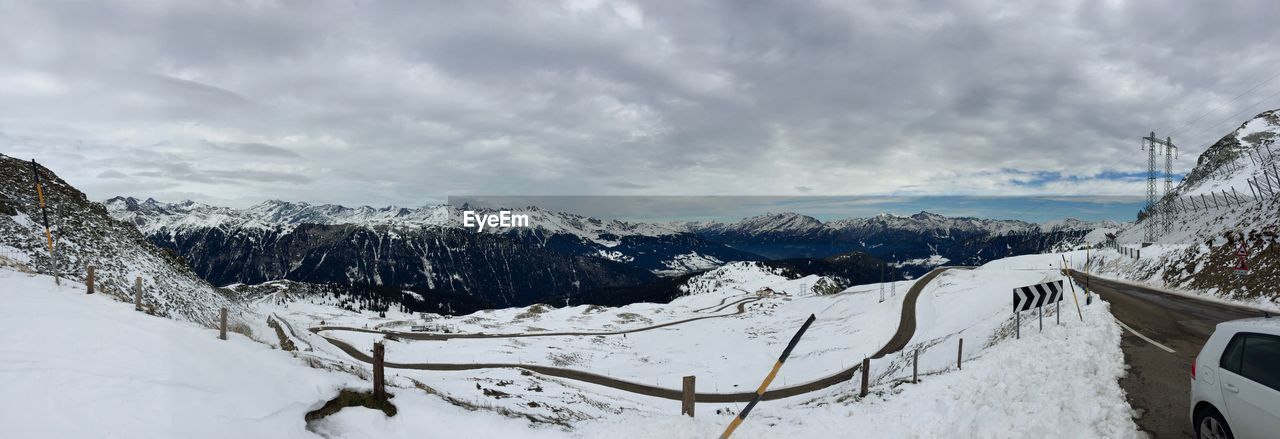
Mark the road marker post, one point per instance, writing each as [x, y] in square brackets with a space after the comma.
[687, 396]
[866, 376]
[222, 321]
[88, 280]
[915, 367]
[137, 293]
[733, 425]
[960, 355]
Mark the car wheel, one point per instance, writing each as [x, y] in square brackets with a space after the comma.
[1210, 425]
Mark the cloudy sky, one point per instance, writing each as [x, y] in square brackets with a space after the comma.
[360, 102]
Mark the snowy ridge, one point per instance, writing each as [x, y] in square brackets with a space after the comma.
[922, 222]
[154, 217]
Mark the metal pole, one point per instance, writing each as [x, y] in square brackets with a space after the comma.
[1018, 325]
[960, 356]
[1041, 318]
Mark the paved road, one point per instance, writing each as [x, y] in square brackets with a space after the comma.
[906, 329]
[1159, 382]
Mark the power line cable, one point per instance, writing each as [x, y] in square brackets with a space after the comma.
[1209, 129]
[1224, 104]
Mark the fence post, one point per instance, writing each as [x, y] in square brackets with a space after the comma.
[686, 400]
[137, 293]
[960, 355]
[866, 376]
[88, 281]
[379, 389]
[915, 367]
[222, 323]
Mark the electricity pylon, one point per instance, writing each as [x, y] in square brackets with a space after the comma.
[1158, 218]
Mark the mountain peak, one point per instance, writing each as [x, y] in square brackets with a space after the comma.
[926, 215]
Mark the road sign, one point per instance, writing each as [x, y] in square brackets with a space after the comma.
[1035, 296]
[1242, 256]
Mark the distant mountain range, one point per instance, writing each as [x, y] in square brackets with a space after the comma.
[914, 243]
[561, 257]
[427, 248]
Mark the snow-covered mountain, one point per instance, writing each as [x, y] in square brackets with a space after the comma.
[1198, 252]
[85, 234]
[909, 241]
[152, 216]
[559, 254]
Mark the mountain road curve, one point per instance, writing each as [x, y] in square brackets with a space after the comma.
[906, 329]
[1163, 334]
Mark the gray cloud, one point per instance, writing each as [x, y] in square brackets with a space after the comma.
[256, 149]
[405, 102]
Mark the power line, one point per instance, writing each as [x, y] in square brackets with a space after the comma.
[1255, 87]
[1209, 129]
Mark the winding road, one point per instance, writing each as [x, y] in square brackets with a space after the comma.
[906, 329]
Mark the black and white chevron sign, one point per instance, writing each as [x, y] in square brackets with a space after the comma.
[1035, 296]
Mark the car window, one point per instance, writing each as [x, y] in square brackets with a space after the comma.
[1231, 356]
[1260, 361]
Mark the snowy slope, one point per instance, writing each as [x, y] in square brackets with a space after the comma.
[79, 366]
[1072, 395]
[86, 235]
[1197, 254]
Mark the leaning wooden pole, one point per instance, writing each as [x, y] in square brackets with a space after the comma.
[767, 379]
[1072, 283]
[44, 213]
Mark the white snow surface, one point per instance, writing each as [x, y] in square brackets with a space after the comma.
[78, 366]
[1068, 376]
[153, 377]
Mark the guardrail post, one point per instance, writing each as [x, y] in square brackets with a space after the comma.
[88, 280]
[222, 323]
[379, 385]
[915, 367]
[866, 376]
[687, 395]
[960, 356]
[137, 293]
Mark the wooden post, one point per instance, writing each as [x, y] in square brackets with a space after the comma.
[866, 376]
[379, 389]
[88, 281]
[137, 293]
[686, 400]
[960, 356]
[915, 367]
[222, 325]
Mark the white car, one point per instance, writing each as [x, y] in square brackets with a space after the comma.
[1235, 381]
